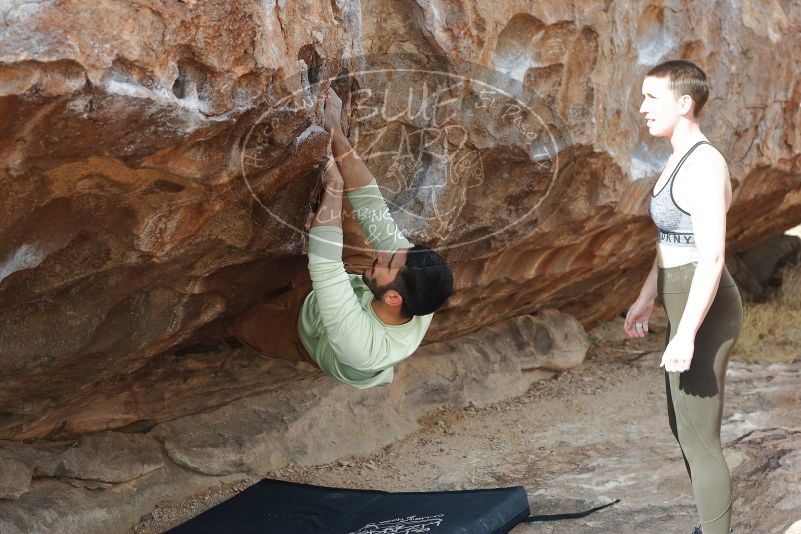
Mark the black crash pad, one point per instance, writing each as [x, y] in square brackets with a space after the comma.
[276, 507]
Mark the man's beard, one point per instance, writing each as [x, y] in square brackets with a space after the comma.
[377, 290]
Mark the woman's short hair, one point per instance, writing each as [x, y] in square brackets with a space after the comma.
[684, 78]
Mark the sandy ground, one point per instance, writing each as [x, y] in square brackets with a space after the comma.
[583, 438]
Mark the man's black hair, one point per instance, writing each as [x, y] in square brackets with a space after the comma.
[425, 282]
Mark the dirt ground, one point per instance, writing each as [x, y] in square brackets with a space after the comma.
[583, 438]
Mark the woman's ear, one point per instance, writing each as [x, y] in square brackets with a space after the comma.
[685, 104]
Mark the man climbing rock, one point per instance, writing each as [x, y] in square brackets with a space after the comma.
[354, 328]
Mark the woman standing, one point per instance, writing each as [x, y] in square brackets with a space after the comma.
[688, 205]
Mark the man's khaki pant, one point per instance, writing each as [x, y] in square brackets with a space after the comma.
[271, 325]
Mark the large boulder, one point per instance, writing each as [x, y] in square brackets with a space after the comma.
[159, 160]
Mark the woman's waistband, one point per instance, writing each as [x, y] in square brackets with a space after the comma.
[679, 279]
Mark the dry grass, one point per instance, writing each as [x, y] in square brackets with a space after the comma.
[771, 331]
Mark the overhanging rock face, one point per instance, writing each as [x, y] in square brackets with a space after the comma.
[159, 161]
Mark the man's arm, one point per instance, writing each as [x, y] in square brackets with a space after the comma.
[340, 312]
[353, 170]
[369, 207]
[329, 213]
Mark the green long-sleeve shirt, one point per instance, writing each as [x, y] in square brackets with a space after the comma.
[337, 325]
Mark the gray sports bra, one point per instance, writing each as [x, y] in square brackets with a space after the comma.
[674, 224]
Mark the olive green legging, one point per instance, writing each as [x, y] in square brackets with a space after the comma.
[695, 397]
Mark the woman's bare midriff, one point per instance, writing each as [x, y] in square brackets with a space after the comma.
[672, 256]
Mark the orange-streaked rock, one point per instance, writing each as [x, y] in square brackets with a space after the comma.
[127, 130]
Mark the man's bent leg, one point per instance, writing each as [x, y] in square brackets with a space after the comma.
[271, 325]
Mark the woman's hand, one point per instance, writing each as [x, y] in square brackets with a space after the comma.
[636, 324]
[678, 354]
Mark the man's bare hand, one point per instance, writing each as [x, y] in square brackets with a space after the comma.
[332, 113]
